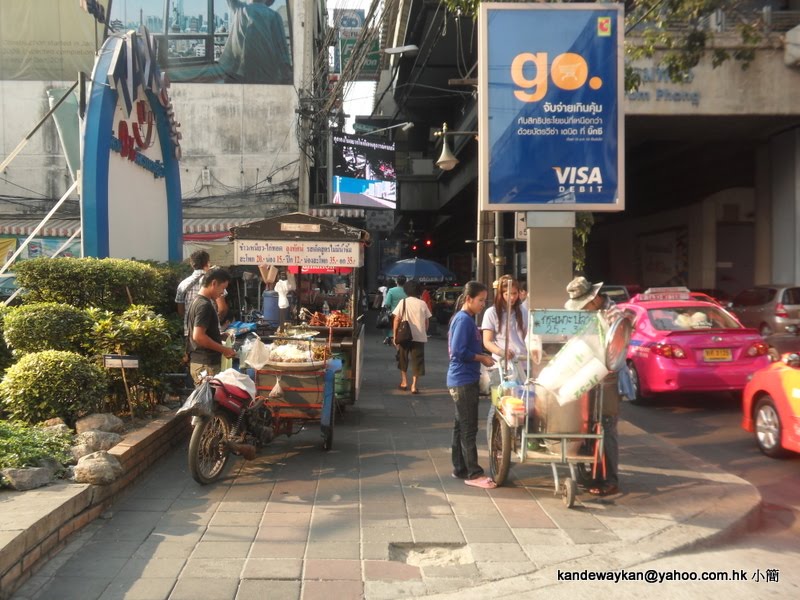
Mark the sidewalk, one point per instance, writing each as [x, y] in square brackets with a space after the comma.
[380, 516]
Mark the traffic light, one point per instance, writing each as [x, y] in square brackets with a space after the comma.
[428, 243]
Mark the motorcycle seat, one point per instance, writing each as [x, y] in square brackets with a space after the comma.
[232, 390]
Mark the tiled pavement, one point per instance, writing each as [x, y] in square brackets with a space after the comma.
[379, 516]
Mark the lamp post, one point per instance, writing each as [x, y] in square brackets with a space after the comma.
[447, 161]
[405, 127]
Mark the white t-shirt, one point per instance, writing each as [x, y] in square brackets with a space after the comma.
[417, 313]
[283, 287]
[516, 335]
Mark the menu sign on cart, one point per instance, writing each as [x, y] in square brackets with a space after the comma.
[299, 253]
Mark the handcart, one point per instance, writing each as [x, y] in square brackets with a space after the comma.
[554, 418]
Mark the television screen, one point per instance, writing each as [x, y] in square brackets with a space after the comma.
[362, 172]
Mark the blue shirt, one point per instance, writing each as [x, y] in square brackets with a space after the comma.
[463, 343]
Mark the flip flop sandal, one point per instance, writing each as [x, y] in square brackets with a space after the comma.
[486, 483]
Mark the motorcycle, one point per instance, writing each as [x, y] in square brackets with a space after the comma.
[237, 424]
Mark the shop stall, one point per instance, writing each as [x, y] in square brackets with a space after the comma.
[322, 260]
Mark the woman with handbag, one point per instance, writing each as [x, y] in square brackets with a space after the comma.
[410, 327]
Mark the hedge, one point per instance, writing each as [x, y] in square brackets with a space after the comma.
[47, 326]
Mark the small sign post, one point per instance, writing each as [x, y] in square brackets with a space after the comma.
[122, 362]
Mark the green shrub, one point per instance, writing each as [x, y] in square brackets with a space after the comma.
[53, 383]
[47, 326]
[141, 332]
[108, 283]
[22, 445]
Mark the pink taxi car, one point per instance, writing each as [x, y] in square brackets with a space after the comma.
[684, 345]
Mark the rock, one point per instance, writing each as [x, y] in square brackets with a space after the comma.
[52, 422]
[99, 468]
[57, 428]
[51, 464]
[100, 422]
[79, 451]
[98, 440]
[27, 478]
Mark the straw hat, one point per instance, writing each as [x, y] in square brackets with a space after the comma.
[581, 291]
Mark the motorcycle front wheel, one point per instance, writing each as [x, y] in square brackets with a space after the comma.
[208, 448]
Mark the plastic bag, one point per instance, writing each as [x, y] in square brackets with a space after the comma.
[258, 355]
[200, 402]
[384, 319]
[277, 391]
[235, 378]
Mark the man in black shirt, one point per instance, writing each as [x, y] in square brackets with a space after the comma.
[205, 343]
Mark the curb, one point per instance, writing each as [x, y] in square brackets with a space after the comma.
[39, 535]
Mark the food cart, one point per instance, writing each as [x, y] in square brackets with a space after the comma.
[314, 249]
[555, 418]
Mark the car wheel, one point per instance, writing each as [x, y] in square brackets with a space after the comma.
[638, 398]
[765, 330]
[768, 428]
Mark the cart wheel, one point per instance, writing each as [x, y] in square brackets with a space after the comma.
[569, 492]
[583, 474]
[499, 450]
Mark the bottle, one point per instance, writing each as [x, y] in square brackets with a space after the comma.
[326, 309]
[227, 363]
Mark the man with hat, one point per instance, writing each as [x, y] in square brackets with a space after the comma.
[584, 295]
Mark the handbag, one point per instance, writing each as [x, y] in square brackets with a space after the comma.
[403, 335]
[384, 319]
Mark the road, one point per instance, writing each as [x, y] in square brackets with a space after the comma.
[708, 427]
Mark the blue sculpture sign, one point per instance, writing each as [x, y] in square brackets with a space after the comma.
[551, 107]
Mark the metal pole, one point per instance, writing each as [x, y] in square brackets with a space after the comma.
[479, 255]
[499, 256]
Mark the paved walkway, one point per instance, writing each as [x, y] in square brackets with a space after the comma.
[380, 516]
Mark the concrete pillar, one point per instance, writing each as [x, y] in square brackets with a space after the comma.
[763, 217]
[785, 218]
[549, 258]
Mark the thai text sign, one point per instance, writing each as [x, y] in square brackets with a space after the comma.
[560, 322]
[299, 253]
[551, 98]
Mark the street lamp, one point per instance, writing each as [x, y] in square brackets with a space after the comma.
[405, 127]
[447, 160]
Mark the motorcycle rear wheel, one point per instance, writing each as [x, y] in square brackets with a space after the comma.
[208, 448]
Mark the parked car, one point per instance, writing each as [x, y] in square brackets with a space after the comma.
[771, 407]
[618, 293]
[768, 308]
[444, 301]
[684, 345]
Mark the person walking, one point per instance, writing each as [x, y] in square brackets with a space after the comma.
[190, 287]
[391, 300]
[465, 351]
[205, 342]
[412, 354]
[583, 295]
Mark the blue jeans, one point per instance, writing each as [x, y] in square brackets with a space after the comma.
[465, 432]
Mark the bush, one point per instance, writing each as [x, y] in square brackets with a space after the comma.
[141, 332]
[22, 445]
[53, 383]
[109, 283]
[47, 326]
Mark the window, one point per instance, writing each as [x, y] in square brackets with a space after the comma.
[754, 296]
[791, 296]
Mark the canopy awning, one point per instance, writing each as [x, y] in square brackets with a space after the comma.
[66, 227]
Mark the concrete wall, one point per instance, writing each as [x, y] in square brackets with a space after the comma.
[241, 133]
[766, 87]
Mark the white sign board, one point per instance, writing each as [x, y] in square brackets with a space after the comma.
[299, 253]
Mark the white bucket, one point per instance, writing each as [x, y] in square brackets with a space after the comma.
[569, 360]
[589, 376]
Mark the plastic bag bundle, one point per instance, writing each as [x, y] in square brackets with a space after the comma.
[257, 354]
[200, 402]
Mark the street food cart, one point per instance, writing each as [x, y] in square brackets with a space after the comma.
[325, 259]
[555, 418]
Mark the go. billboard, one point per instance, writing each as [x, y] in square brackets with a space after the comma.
[551, 99]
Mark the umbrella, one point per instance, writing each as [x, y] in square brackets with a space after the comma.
[419, 269]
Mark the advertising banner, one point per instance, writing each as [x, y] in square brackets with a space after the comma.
[363, 172]
[202, 41]
[550, 107]
[298, 253]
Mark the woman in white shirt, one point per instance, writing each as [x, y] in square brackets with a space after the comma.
[412, 355]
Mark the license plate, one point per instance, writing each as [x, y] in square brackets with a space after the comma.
[717, 354]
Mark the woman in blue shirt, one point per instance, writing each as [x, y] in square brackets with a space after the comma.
[465, 349]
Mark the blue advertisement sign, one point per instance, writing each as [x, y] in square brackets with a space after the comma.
[551, 100]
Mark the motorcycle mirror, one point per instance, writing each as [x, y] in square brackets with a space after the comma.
[792, 360]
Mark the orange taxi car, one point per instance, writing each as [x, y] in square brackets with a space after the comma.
[771, 406]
